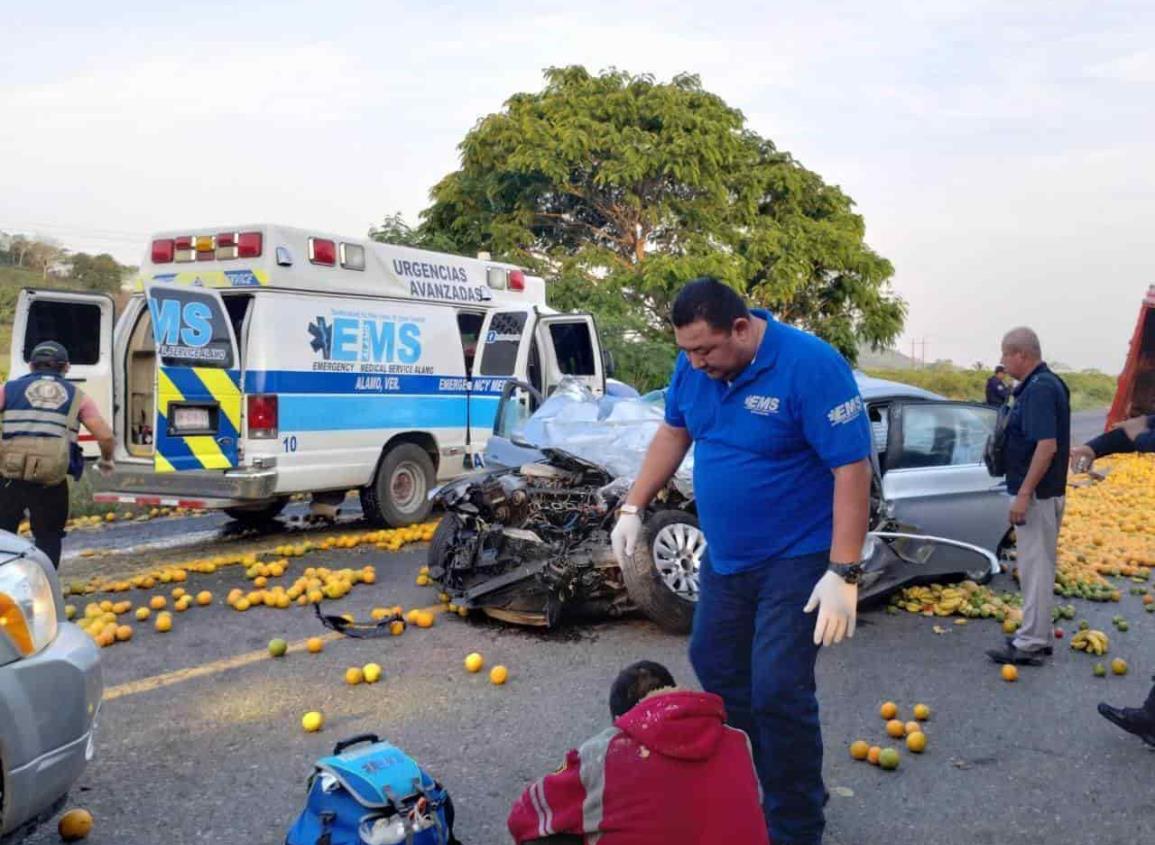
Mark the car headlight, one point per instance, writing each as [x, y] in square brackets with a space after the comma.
[27, 606]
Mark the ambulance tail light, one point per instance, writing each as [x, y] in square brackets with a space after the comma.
[262, 416]
[162, 251]
[249, 245]
[183, 249]
[226, 246]
[516, 280]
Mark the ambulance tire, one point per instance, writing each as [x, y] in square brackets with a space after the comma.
[408, 467]
[259, 515]
[645, 584]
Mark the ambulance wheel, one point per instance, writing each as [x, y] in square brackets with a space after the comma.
[662, 576]
[259, 514]
[399, 493]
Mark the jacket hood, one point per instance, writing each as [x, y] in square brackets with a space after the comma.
[676, 723]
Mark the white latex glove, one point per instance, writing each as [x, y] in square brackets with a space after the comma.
[624, 537]
[105, 468]
[837, 604]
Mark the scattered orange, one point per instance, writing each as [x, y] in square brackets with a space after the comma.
[354, 676]
[1119, 666]
[397, 628]
[204, 597]
[158, 602]
[895, 728]
[163, 623]
[921, 712]
[498, 675]
[872, 755]
[916, 742]
[859, 750]
[888, 711]
[911, 728]
[888, 759]
[1010, 673]
[123, 633]
[314, 645]
[75, 825]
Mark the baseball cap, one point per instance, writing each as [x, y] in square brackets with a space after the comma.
[49, 352]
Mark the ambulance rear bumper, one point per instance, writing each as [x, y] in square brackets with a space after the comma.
[188, 489]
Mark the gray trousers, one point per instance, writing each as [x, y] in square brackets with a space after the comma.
[1037, 544]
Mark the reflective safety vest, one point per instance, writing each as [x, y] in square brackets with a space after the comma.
[39, 427]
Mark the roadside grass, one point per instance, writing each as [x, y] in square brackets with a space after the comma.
[1088, 390]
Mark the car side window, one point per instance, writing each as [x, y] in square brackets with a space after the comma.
[939, 435]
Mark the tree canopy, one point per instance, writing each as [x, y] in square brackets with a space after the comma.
[619, 189]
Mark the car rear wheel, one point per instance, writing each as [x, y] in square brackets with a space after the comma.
[398, 495]
[662, 575]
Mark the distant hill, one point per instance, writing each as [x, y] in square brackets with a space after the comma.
[886, 359]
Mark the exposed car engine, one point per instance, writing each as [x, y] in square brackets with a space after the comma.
[531, 544]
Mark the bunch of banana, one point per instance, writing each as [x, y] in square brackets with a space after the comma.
[1090, 641]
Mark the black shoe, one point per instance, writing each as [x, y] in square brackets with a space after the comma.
[1008, 654]
[1047, 650]
[1131, 719]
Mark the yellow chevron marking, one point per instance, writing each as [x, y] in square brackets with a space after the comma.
[221, 386]
[204, 448]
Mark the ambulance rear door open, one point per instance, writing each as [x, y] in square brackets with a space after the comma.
[538, 349]
[197, 425]
[82, 322]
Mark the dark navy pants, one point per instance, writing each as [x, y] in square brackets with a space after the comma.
[753, 646]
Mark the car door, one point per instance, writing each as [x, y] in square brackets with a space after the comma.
[570, 348]
[503, 352]
[198, 376]
[83, 323]
[934, 478]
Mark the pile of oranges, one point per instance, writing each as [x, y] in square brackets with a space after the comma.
[913, 732]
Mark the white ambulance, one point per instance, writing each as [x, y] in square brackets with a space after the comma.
[256, 362]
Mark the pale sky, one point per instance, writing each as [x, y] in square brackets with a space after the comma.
[1000, 152]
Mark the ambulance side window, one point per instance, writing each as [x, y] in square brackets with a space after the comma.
[574, 348]
[71, 324]
[502, 343]
[238, 307]
[469, 326]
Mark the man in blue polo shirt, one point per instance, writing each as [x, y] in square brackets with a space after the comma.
[1037, 445]
[782, 484]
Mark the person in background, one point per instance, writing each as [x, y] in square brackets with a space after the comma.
[40, 418]
[1038, 440]
[998, 391]
[668, 771]
[1134, 435]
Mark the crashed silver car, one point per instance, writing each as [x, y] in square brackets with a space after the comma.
[527, 539]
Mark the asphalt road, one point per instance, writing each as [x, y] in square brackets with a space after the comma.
[220, 756]
[217, 754]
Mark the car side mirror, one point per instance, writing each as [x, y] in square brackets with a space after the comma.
[609, 364]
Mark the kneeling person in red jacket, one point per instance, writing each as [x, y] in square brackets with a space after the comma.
[669, 770]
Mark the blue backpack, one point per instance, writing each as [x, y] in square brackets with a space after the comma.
[374, 795]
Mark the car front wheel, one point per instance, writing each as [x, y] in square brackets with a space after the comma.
[662, 576]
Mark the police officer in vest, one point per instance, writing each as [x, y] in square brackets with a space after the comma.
[782, 483]
[40, 418]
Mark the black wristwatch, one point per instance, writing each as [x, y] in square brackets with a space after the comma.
[848, 572]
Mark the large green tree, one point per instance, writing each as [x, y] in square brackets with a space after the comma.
[96, 272]
[619, 189]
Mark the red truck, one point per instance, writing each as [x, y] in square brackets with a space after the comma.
[1135, 394]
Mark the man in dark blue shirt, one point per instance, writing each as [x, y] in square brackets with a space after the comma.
[782, 486]
[1037, 445]
[998, 391]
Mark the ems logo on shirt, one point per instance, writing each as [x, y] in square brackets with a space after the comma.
[844, 413]
[46, 394]
[762, 405]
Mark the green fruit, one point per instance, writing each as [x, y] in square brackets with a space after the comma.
[1100, 670]
[278, 647]
[1124, 626]
[1150, 608]
[892, 610]
[888, 759]
[1084, 624]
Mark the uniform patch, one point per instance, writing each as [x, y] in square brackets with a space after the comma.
[846, 412]
[762, 405]
[46, 394]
